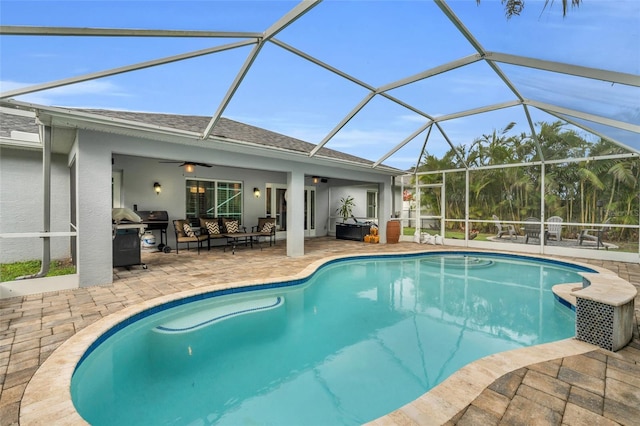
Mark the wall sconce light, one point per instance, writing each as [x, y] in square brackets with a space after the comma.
[256, 192]
[316, 179]
[157, 188]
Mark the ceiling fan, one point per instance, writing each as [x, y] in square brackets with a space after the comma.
[189, 166]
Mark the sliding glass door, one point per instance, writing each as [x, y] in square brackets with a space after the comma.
[276, 206]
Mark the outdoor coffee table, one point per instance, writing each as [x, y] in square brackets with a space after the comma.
[244, 238]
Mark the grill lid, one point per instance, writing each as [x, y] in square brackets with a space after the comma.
[153, 216]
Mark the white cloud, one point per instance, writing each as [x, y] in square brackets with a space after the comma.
[367, 138]
[412, 118]
[66, 94]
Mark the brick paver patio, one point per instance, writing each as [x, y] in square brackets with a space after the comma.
[598, 388]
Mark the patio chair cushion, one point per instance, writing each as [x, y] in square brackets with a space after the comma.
[232, 226]
[188, 231]
[213, 228]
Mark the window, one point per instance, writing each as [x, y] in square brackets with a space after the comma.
[372, 204]
[207, 198]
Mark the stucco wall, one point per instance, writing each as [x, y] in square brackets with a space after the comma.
[139, 175]
[21, 204]
[138, 159]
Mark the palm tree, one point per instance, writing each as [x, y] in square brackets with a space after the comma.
[515, 7]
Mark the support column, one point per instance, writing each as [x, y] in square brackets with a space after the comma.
[295, 214]
[386, 205]
[93, 200]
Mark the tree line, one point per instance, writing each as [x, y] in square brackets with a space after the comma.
[588, 191]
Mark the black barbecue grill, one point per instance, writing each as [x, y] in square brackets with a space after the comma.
[157, 220]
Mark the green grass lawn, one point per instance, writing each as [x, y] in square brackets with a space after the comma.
[10, 271]
[630, 247]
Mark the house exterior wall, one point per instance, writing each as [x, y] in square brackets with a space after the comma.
[21, 204]
[139, 175]
[359, 194]
[139, 161]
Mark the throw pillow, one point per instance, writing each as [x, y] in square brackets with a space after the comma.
[232, 227]
[188, 231]
[268, 226]
[213, 228]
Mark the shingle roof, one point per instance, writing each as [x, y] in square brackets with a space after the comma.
[225, 128]
[9, 122]
[229, 129]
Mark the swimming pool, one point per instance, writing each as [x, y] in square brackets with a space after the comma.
[337, 349]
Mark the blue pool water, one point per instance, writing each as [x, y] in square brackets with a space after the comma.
[360, 338]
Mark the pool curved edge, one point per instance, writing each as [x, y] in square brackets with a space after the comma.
[47, 397]
[446, 400]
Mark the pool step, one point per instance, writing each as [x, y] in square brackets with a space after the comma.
[197, 320]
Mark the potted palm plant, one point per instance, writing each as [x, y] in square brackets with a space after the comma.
[346, 207]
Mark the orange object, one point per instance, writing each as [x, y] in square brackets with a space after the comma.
[375, 239]
[367, 238]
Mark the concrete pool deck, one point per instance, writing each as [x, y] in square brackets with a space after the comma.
[569, 382]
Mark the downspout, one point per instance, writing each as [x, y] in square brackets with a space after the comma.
[393, 196]
[46, 222]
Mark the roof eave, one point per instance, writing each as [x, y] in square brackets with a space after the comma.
[65, 117]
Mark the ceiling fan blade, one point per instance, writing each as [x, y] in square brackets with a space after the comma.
[186, 163]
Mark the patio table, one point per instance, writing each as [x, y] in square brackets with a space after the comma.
[244, 238]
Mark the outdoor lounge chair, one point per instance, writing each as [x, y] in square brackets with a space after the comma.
[532, 229]
[267, 228]
[554, 228]
[505, 229]
[595, 235]
[182, 235]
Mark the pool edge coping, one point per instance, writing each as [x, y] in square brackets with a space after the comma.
[454, 394]
[47, 397]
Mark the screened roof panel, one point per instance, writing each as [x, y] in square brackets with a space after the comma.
[376, 129]
[424, 48]
[599, 33]
[266, 100]
[437, 145]
[469, 87]
[210, 77]
[615, 101]
[542, 120]
[407, 156]
[619, 136]
[378, 42]
[486, 128]
[55, 58]
[177, 15]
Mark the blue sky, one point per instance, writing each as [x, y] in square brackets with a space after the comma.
[377, 42]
